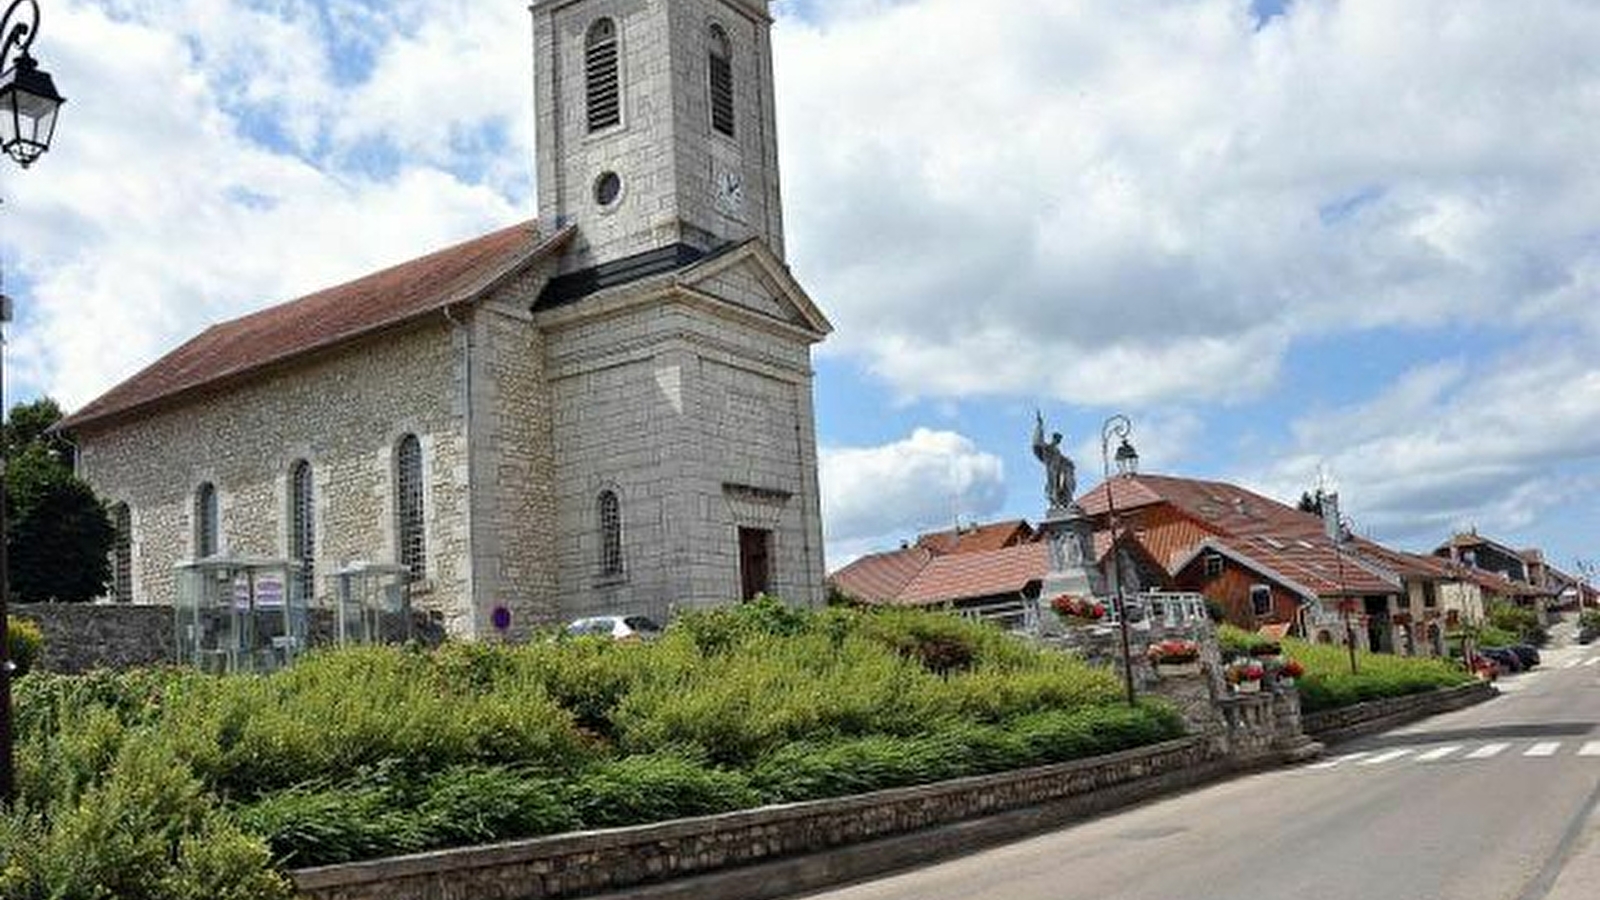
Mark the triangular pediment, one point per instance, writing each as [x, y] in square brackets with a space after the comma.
[752, 277]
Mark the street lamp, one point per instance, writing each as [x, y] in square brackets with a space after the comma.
[1119, 427]
[28, 106]
[28, 97]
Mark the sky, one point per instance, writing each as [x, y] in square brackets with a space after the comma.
[1295, 241]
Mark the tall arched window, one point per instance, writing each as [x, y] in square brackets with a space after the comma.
[602, 75]
[408, 506]
[302, 528]
[122, 554]
[720, 67]
[610, 535]
[207, 521]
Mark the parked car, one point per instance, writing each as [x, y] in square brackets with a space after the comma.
[621, 628]
[1509, 662]
[1526, 653]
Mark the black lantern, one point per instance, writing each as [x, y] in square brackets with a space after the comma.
[28, 106]
[1127, 459]
[28, 97]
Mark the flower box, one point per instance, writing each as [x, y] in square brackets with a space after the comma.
[1177, 669]
[1078, 610]
[1247, 687]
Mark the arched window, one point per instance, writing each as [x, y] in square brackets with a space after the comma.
[207, 521]
[602, 75]
[302, 528]
[408, 501]
[122, 554]
[610, 535]
[720, 68]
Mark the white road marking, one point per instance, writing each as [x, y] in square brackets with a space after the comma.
[1487, 751]
[1348, 757]
[1572, 663]
[1384, 757]
[1592, 661]
[1590, 749]
[1545, 748]
[1438, 753]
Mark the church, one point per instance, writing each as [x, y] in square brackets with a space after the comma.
[605, 410]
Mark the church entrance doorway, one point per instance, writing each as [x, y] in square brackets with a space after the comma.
[755, 561]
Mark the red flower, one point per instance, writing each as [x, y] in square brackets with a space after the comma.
[1292, 669]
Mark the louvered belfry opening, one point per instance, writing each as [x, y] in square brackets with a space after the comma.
[603, 76]
[721, 69]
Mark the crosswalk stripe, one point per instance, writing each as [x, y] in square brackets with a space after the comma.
[1487, 751]
[1572, 663]
[1348, 757]
[1383, 757]
[1438, 753]
[1547, 748]
[1590, 749]
[1592, 661]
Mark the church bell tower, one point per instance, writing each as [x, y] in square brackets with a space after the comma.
[656, 132]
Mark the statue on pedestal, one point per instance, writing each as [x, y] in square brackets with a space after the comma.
[1060, 474]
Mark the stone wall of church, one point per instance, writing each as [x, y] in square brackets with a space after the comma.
[701, 423]
[342, 412]
[514, 500]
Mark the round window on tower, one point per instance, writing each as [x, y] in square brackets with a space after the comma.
[608, 189]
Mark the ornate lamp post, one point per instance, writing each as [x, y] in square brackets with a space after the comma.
[28, 106]
[1127, 459]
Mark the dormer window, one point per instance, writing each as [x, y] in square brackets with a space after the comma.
[602, 74]
[720, 67]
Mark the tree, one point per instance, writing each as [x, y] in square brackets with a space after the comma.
[1311, 503]
[59, 537]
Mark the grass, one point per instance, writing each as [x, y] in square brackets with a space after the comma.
[170, 784]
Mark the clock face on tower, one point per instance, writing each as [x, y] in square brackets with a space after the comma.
[730, 192]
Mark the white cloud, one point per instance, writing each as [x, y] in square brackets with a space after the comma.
[157, 212]
[1145, 202]
[873, 497]
[1493, 444]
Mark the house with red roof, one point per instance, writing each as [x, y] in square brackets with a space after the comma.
[1266, 565]
[605, 410]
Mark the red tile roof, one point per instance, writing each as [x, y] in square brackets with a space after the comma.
[881, 577]
[318, 321]
[965, 576]
[992, 536]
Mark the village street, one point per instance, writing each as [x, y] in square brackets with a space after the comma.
[1494, 802]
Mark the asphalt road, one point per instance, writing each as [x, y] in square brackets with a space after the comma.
[1495, 802]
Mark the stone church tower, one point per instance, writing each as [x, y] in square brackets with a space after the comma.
[606, 410]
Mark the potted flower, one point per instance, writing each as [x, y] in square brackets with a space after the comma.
[1175, 657]
[1289, 672]
[1078, 610]
[1246, 677]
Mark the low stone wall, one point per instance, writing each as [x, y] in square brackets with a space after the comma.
[79, 637]
[580, 864]
[1345, 723]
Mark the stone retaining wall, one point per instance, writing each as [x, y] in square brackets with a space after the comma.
[80, 637]
[1332, 725]
[579, 864]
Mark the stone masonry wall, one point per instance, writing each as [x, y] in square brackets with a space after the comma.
[574, 865]
[344, 413]
[79, 637]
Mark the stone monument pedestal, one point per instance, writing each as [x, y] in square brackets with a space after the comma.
[1070, 536]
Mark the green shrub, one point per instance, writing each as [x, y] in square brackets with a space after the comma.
[476, 805]
[168, 784]
[657, 788]
[1328, 683]
[24, 643]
